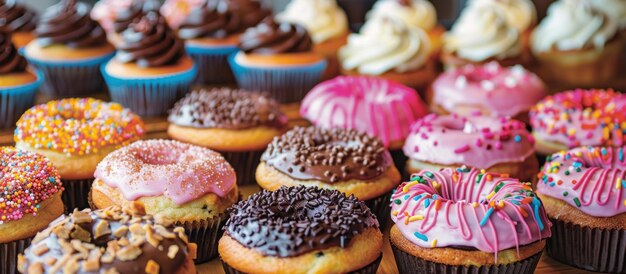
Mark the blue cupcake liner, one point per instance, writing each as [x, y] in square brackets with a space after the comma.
[286, 84]
[16, 100]
[71, 78]
[149, 96]
[213, 67]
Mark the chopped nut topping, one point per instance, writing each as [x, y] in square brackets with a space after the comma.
[101, 229]
[40, 249]
[61, 231]
[128, 253]
[81, 217]
[71, 267]
[21, 263]
[152, 267]
[120, 232]
[192, 250]
[135, 208]
[136, 229]
[36, 268]
[50, 261]
[153, 238]
[81, 234]
[111, 270]
[172, 251]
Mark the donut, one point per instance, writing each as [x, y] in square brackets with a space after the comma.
[110, 240]
[500, 145]
[301, 230]
[579, 118]
[466, 216]
[489, 89]
[379, 107]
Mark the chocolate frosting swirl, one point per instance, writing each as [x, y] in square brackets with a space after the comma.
[68, 23]
[10, 59]
[227, 108]
[16, 16]
[269, 37]
[329, 155]
[295, 220]
[149, 42]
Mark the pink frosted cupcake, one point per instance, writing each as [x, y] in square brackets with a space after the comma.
[495, 144]
[379, 107]
[490, 90]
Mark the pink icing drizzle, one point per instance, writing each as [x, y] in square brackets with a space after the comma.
[479, 210]
[477, 141]
[176, 170]
[591, 179]
[373, 105]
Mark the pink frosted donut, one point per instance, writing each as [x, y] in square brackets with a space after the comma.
[180, 171]
[478, 141]
[489, 89]
[373, 105]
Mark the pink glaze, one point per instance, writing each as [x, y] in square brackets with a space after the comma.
[581, 118]
[176, 170]
[466, 208]
[488, 89]
[373, 105]
[476, 141]
[590, 179]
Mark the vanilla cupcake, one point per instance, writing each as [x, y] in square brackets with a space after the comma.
[391, 50]
[614, 8]
[482, 35]
[577, 45]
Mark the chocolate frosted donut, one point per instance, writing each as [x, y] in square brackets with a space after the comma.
[270, 37]
[68, 23]
[10, 59]
[16, 16]
[329, 155]
[127, 241]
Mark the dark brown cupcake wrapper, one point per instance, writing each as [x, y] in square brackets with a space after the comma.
[380, 207]
[205, 234]
[76, 194]
[8, 255]
[245, 164]
[593, 249]
[368, 269]
[408, 263]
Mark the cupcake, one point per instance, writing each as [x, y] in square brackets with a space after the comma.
[389, 49]
[76, 134]
[18, 84]
[31, 199]
[378, 107]
[189, 185]
[237, 123]
[151, 70]
[326, 232]
[20, 20]
[467, 221]
[68, 50]
[277, 58]
[493, 144]
[614, 8]
[211, 33]
[111, 240]
[583, 192]
[577, 45]
[346, 160]
[482, 35]
[327, 24]
[414, 14]
[489, 90]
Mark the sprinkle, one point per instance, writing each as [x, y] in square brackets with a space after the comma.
[517, 138]
[429, 174]
[406, 187]
[536, 205]
[397, 201]
[437, 204]
[421, 236]
[490, 195]
[618, 184]
[434, 243]
[577, 202]
[416, 218]
[474, 204]
[427, 202]
[462, 149]
[394, 213]
[487, 215]
[565, 193]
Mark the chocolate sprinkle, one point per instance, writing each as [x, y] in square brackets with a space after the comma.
[329, 155]
[295, 220]
[227, 108]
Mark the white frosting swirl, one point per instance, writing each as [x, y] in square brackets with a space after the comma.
[323, 19]
[521, 14]
[573, 25]
[614, 8]
[384, 45]
[481, 34]
[413, 13]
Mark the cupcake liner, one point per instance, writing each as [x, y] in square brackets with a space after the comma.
[8, 255]
[408, 263]
[213, 67]
[380, 207]
[71, 78]
[399, 160]
[286, 84]
[149, 96]
[205, 234]
[593, 249]
[76, 194]
[16, 100]
[245, 164]
[368, 269]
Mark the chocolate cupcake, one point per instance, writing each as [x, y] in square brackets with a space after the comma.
[237, 123]
[68, 50]
[346, 160]
[20, 20]
[301, 230]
